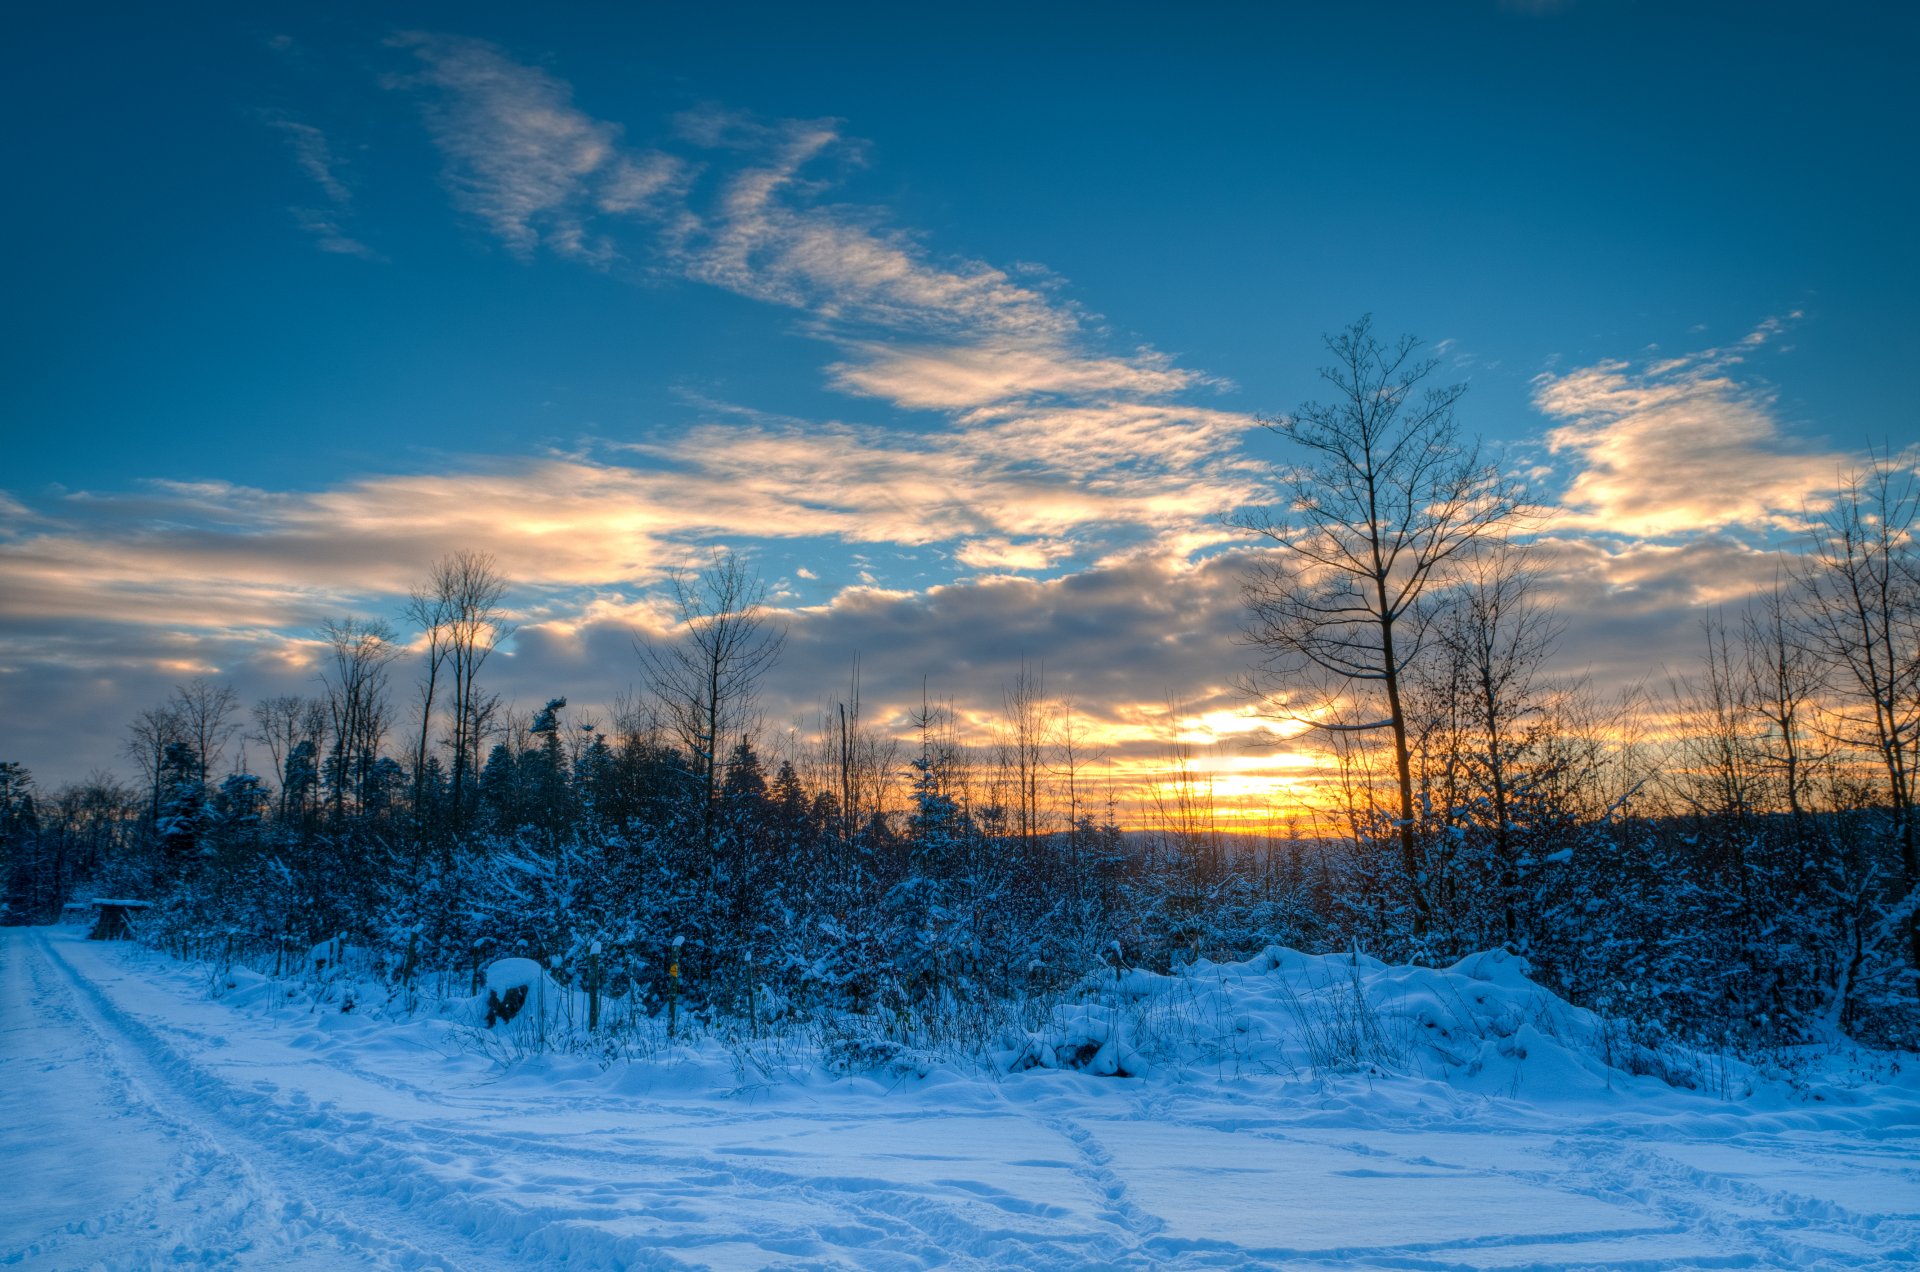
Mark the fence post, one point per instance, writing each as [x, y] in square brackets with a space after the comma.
[673, 985]
[593, 987]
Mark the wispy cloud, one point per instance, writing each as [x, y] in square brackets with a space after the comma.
[1677, 445]
[314, 155]
[330, 235]
[989, 374]
[947, 334]
[953, 334]
[772, 237]
[1050, 433]
[521, 157]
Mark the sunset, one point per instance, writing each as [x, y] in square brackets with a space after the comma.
[1085, 565]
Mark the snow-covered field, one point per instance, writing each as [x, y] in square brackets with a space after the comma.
[145, 1123]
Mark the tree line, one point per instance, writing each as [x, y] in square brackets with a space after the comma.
[1728, 855]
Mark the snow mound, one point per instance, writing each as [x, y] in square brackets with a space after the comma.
[520, 998]
[335, 956]
[1481, 1024]
[506, 974]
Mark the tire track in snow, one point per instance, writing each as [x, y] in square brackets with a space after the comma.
[312, 1171]
[866, 1221]
[201, 1201]
[875, 1219]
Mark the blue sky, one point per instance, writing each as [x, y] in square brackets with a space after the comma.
[956, 318]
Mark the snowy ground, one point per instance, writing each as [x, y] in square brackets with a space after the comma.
[144, 1124]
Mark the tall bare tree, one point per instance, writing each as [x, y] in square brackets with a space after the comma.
[359, 650]
[1496, 638]
[1717, 765]
[1387, 495]
[204, 711]
[467, 590]
[430, 608]
[1028, 728]
[1860, 589]
[1783, 686]
[283, 723]
[705, 679]
[153, 730]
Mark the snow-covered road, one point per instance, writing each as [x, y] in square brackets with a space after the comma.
[143, 1124]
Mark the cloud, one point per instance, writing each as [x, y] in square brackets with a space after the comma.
[329, 235]
[315, 156]
[1004, 554]
[1680, 445]
[766, 243]
[313, 153]
[211, 555]
[945, 334]
[987, 374]
[960, 335]
[521, 157]
[1121, 640]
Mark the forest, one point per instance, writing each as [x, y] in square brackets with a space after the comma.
[1724, 854]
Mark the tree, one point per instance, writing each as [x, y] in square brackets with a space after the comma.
[1025, 744]
[356, 680]
[1783, 685]
[286, 723]
[153, 730]
[705, 680]
[1495, 638]
[1860, 594]
[1388, 495]
[466, 590]
[546, 768]
[20, 889]
[203, 710]
[431, 607]
[183, 807]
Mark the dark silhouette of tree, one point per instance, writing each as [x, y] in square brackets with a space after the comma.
[705, 678]
[1386, 497]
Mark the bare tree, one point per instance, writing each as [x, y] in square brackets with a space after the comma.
[1387, 496]
[1861, 606]
[1716, 763]
[1072, 759]
[1783, 687]
[204, 711]
[466, 591]
[283, 723]
[356, 677]
[705, 680]
[1496, 638]
[858, 761]
[431, 609]
[153, 730]
[1028, 729]
[1184, 811]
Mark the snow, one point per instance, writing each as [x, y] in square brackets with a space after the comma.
[1294, 1111]
[514, 973]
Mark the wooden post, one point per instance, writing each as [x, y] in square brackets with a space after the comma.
[673, 985]
[593, 987]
